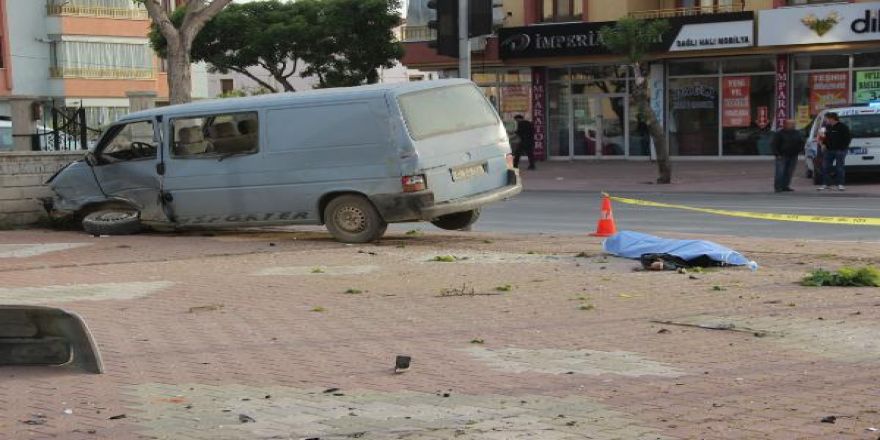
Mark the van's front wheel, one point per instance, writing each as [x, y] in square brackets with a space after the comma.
[112, 222]
[353, 219]
[457, 221]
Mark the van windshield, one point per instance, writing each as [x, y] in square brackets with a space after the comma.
[443, 110]
[863, 126]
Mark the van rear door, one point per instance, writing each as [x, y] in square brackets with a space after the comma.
[458, 137]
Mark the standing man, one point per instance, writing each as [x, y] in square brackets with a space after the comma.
[837, 139]
[787, 144]
[526, 133]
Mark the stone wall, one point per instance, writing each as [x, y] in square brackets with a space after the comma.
[22, 175]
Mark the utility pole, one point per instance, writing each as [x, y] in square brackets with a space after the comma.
[464, 41]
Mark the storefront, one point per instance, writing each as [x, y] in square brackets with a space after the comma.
[587, 106]
[823, 79]
[720, 88]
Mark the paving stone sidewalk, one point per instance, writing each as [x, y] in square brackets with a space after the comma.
[284, 334]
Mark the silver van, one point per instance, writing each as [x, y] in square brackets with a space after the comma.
[354, 159]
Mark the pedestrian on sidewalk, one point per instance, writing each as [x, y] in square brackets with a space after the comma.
[787, 143]
[836, 147]
[526, 133]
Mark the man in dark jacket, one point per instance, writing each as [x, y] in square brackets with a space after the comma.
[836, 147]
[526, 133]
[787, 144]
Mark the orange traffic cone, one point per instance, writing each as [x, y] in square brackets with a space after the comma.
[606, 226]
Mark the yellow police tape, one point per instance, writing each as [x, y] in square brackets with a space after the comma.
[860, 221]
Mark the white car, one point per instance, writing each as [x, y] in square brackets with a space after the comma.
[47, 138]
[864, 151]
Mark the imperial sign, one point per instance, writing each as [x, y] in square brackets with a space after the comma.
[703, 32]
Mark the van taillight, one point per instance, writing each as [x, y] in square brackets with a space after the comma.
[509, 161]
[413, 183]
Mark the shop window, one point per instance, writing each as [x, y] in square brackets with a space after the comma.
[523, 75]
[870, 59]
[866, 86]
[693, 116]
[814, 91]
[693, 68]
[748, 65]
[558, 129]
[810, 62]
[560, 10]
[747, 109]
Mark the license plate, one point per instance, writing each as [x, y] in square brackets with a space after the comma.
[858, 150]
[464, 173]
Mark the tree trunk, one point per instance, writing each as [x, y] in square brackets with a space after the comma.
[642, 100]
[179, 74]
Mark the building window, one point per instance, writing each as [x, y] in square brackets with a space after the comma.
[93, 59]
[125, 9]
[707, 6]
[809, 2]
[560, 10]
[227, 85]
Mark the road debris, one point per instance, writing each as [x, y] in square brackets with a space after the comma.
[829, 419]
[206, 308]
[401, 363]
[726, 326]
[244, 418]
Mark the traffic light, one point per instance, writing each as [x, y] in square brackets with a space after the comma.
[446, 25]
[480, 17]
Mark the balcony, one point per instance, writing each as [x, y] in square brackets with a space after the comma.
[100, 73]
[692, 11]
[98, 12]
[418, 33]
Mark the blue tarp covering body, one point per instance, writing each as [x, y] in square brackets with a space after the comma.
[630, 244]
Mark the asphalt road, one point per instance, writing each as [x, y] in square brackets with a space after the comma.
[576, 213]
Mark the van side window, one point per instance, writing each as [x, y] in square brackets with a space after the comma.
[215, 135]
[130, 141]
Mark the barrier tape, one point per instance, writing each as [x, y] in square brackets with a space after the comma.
[859, 221]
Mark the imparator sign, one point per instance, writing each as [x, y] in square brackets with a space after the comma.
[833, 23]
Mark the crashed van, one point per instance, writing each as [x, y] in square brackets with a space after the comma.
[353, 159]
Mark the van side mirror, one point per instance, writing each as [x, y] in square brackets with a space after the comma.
[90, 159]
[160, 168]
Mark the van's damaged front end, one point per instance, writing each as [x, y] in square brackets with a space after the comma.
[75, 188]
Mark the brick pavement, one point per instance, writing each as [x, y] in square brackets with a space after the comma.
[197, 330]
[697, 176]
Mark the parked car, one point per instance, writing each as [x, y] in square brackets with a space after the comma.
[47, 138]
[864, 151]
[353, 159]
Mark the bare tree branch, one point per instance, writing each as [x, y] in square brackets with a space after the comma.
[162, 20]
[256, 79]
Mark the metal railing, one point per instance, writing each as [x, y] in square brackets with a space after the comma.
[100, 73]
[418, 33]
[99, 11]
[687, 12]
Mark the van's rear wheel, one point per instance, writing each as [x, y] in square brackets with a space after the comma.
[116, 221]
[353, 219]
[457, 221]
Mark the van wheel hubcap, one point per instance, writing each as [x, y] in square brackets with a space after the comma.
[115, 216]
[351, 219]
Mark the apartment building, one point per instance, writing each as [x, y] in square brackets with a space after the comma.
[725, 75]
[77, 53]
